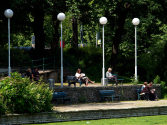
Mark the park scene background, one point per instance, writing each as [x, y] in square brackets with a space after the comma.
[81, 26]
[82, 37]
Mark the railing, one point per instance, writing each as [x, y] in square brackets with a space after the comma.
[44, 63]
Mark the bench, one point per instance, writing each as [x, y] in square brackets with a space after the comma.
[60, 96]
[73, 80]
[108, 94]
[138, 94]
[113, 81]
[141, 96]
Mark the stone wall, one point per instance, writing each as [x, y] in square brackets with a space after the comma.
[91, 94]
[80, 115]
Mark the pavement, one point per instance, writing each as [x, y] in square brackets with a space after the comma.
[109, 105]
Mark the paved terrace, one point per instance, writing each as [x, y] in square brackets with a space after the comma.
[109, 105]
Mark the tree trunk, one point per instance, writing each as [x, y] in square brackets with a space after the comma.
[75, 33]
[120, 21]
[56, 35]
[38, 14]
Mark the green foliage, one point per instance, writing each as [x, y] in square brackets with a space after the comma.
[23, 96]
[163, 88]
[89, 59]
[157, 80]
[2, 105]
[134, 81]
[18, 57]
[21, 40]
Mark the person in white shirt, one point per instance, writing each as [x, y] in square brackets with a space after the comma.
[110, 76]
[82, 77]
[144, 85]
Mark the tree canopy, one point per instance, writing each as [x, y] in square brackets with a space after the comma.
[39, 18]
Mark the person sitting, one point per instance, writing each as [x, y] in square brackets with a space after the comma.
[152, 94]
[144, 91]
[148, 92]
[82, 77]
[36, 74]
[29, 73]
[144, 85]
[110, 76]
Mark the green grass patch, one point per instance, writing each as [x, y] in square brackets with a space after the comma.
[146, 120]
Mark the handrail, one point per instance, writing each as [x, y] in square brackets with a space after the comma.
[43, 62]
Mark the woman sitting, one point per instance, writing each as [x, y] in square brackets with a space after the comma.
[82, 77]
[149, 93]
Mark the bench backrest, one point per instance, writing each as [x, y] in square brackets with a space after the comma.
[71, 78]
[57, 95]
[106, 92]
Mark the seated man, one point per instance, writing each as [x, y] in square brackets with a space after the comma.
[110, 76]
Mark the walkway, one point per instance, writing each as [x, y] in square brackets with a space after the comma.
[109, 105]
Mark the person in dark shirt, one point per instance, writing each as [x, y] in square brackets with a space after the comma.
[149, 93]
[36, 74]
[29, 73]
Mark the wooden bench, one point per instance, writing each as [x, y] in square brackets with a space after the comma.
[60, 97]
[108, 94]
[73, 80]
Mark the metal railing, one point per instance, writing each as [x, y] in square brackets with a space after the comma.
[44, 63]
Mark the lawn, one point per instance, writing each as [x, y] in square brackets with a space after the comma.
[146, 120]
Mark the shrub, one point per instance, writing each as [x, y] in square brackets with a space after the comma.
[156, 80]
[2, 106]
[23, 96]
[162, 88]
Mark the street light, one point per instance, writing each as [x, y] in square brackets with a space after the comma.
[61, 17]
[135, 22]
[8, 13]
[103, 21]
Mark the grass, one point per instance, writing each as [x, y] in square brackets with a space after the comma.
[146, 120]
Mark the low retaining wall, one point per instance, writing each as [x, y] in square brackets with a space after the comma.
[81, 115]
[91, 94]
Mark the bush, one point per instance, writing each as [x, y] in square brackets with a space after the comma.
[23, 96]
[157, 80]
[162, 88]
[2, 106]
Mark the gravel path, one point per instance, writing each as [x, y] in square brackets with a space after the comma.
[110, 105]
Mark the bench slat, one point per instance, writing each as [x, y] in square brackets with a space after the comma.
[108, 94]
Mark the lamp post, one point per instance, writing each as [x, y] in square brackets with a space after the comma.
[61, 17]
[103, 21]
[136, 22]
[8, 14]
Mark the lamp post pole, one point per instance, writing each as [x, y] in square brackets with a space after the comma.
[136, 53]
[136, 22]
[8, 13]
[103, 21]
[61, 17]
[103, 58]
